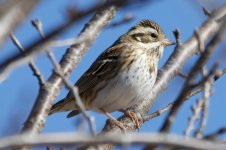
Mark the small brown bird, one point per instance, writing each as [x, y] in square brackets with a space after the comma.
[123, 75]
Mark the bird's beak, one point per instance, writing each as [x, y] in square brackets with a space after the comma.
[167, 42]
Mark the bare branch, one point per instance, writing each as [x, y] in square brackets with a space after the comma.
[32, 65]
[79, 138]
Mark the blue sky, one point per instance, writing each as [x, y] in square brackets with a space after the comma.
[19, 91]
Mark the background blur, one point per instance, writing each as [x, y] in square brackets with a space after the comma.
[19, 91]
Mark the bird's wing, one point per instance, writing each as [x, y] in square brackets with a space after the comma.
[106, 65]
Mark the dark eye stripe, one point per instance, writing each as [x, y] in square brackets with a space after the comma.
[138, 35]
[153, 35]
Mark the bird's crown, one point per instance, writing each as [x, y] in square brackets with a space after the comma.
[148, 23]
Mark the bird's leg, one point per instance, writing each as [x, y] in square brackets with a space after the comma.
[115, 121]
[132, 116]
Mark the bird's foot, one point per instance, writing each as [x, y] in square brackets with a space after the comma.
[115, 121]
[133, 116]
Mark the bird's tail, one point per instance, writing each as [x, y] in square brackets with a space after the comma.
[58, 107]
[63, 106]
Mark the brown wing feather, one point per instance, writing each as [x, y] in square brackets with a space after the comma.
[101, 69]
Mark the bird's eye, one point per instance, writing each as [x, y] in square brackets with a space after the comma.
[153, 35]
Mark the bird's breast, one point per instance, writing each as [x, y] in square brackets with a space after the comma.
[129, 87]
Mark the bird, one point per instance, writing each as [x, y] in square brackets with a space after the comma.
[122, 76]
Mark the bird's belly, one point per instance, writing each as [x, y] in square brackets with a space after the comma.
[125, 90]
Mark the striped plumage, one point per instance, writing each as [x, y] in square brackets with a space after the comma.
[123, 75]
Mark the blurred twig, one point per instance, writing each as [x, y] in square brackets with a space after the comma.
[215, 134]
[79, 138]
[182, 74]
[127, 18]
[12, 13]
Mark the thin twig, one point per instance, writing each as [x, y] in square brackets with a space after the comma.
[78, 102]
[177, 36]
[196, 111]
[201, 46]
[215, 134]
[49, 148]
[204, 114]
[32, 65]
[182, 74]
[38, 25]
[206, 11]
[61, 43]
[218, 74]
[127, 18]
